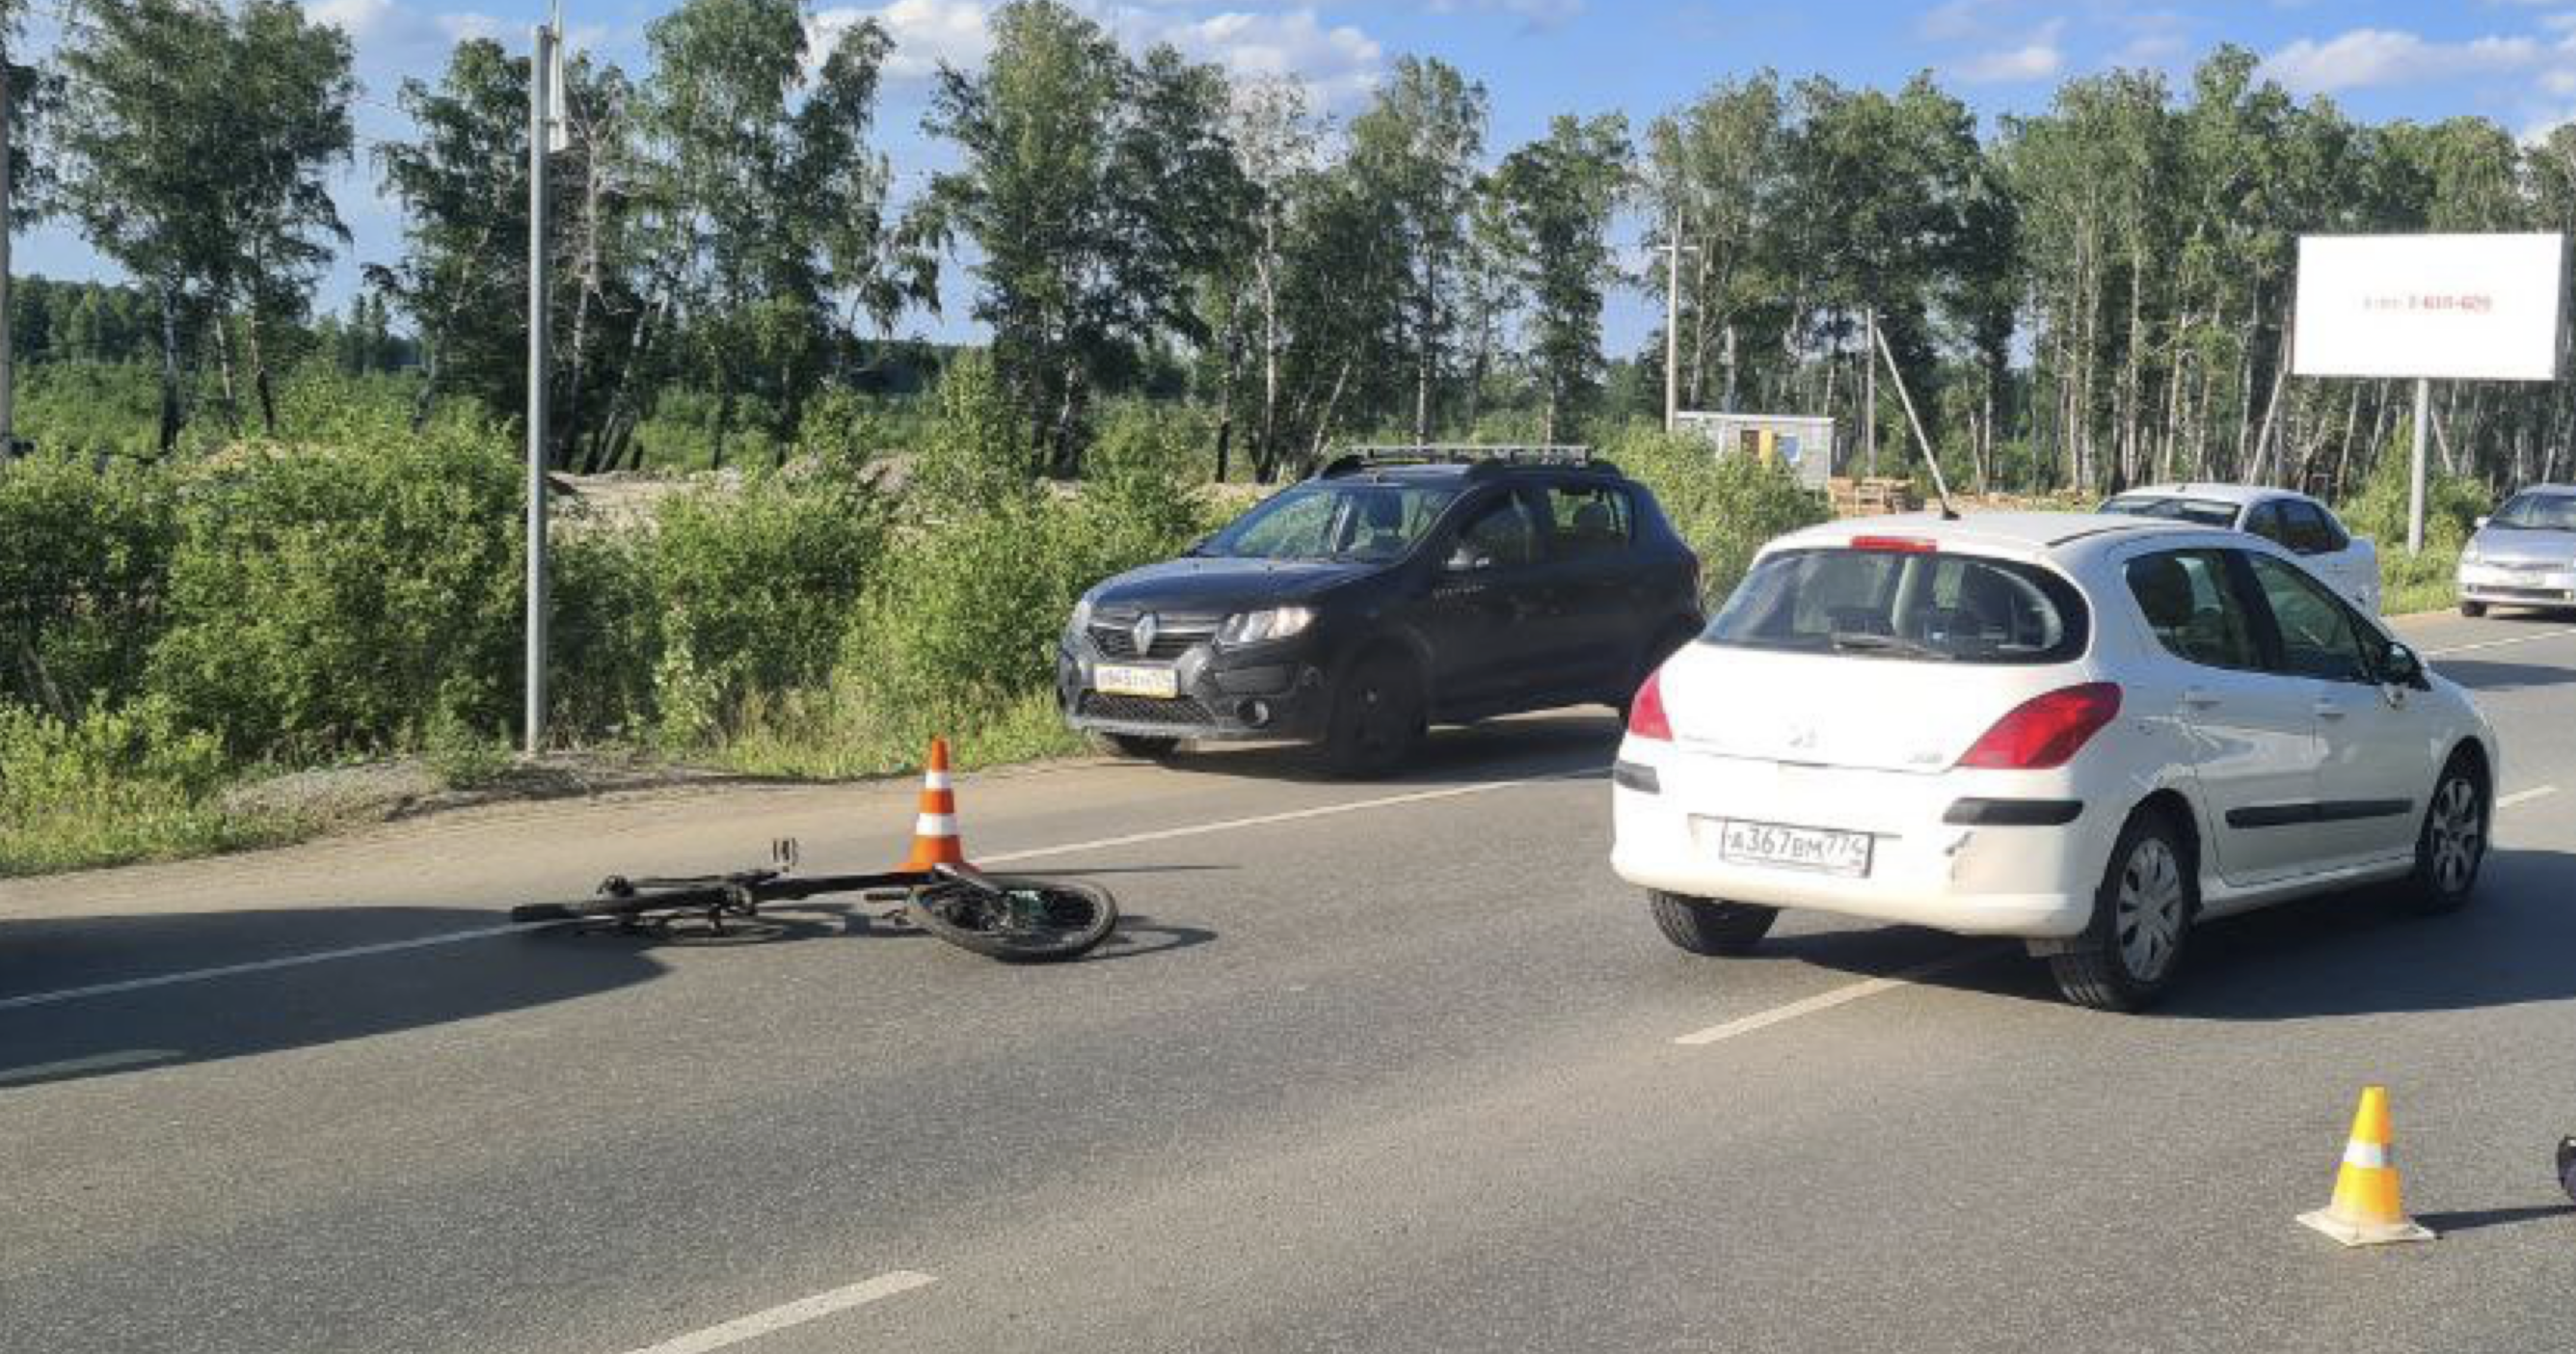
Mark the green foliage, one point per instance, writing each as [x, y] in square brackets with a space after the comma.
[83, 549]
[327, 600]
[753, 590]
[116, 784]
[1727, 508]
[90, 408]
[2452, 504]
[976, 456]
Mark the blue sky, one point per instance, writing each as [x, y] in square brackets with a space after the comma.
[2510, 60]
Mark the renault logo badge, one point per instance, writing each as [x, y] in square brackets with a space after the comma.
[1146, 628]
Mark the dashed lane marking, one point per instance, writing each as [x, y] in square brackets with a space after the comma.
[795, 1313]
[2521, 797]
[1825, 1001]
[2532, 638]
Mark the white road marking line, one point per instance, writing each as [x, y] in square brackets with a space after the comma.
[1822, 1001]
[2522, 797]
[795, 1313]
[70, 994]
[2499, 643]
[1290, 816]
[96, 1062]
[200, 975]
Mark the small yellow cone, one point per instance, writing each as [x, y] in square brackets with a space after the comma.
[2366, 1210]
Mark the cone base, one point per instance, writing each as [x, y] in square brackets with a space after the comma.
[2352, 1233]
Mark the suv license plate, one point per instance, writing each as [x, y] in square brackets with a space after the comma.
[1796, 848]
[1158, 683]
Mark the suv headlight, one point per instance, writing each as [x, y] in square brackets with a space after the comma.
[1081, 615]
[1257, 627]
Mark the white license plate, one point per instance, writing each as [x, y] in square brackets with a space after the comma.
[1114, 680]
[1796, 848]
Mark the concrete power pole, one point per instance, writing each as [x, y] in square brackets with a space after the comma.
[1869, 393]
[540, 68]
[1672, 333]
[2415, 476]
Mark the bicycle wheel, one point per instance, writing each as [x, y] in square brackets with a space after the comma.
[1021, 919]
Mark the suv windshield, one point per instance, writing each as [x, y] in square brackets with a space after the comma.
[1346, 521]
[2537, 512]
[1892, 604]
[2208, 512]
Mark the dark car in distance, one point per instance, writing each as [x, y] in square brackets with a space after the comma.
[1396, 589]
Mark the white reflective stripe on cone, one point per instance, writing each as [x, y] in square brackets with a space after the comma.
[936, 825]
[935, 780]
[2371, 1156]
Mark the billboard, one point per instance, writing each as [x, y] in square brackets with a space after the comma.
[2451, 307]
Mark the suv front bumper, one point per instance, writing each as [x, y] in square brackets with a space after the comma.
[1266, 691]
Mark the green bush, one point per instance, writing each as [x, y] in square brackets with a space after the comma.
[976, 453]
[2452, 505]
[753, 591]
[604, 635]
[332, 600]
[83, 551]
[117, 784]
[90, 408]
[1727, 508]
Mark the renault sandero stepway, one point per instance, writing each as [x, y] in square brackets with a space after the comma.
[1396, 589]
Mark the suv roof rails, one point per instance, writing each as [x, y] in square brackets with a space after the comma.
[1475, 457]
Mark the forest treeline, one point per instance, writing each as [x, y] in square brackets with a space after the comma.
[2089, 295]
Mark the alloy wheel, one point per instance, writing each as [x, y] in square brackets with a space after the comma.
[2458, 832]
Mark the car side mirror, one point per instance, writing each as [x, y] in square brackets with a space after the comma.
[1467, 559]
[2403, 668]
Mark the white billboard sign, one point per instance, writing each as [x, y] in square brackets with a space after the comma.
[2448, 307]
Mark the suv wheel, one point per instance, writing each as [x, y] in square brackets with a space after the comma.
[1706, 926]
[2473, 610]
[2452, 843]
[1377, 717]
[1142, 747]
[2141, 919]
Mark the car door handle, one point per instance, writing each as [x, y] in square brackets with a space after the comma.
[2198, 698]
[2329, 709]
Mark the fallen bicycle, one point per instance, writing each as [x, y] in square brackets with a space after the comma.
[1011, 917]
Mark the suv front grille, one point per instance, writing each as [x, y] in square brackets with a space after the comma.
[1144, 709]
[1119, 641]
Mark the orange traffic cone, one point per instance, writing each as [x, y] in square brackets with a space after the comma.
[934, 833]
[2366, 1211]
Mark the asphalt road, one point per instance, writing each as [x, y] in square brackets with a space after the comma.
[1381, 1067]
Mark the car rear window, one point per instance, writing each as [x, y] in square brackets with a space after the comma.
[1923, 606]
[2208, 512]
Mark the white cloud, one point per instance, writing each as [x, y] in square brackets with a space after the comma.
[1339, 64]
[2038, 57]
[2367, 57]
[396, 36]
[1954, 19]
[1535, 13]
[927, 34]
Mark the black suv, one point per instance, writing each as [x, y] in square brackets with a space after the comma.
[1396, 589]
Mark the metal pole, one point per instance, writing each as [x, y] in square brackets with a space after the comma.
[8, 354]
[538, 65]
[1672, 332]
[2415, 490]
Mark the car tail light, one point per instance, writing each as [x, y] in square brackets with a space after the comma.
[1646, 718]
[2046, 731]
[1902, 545]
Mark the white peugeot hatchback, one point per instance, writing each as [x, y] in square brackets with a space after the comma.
[2087, 732]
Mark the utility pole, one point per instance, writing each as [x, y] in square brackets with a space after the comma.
[2415, 478]
[1869, 393]
[540, 68]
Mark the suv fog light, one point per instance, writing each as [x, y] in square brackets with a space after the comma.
[1255, 713]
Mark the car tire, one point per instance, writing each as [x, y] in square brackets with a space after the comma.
[2473, 610]
[2142, 916]
[1142, 747]
[1377, 718]
[2451, 845]
[1707, 926]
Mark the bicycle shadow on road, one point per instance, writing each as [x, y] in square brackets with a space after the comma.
[283, 1006]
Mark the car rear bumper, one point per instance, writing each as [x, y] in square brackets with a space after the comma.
[2024, 862]
[1256, 695]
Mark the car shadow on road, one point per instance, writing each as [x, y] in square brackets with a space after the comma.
[2359, 952]
[1572, 743]
[2444, 1224]
[2479, 675]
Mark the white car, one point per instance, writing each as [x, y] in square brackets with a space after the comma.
[2297, 523]
[2087, 732]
